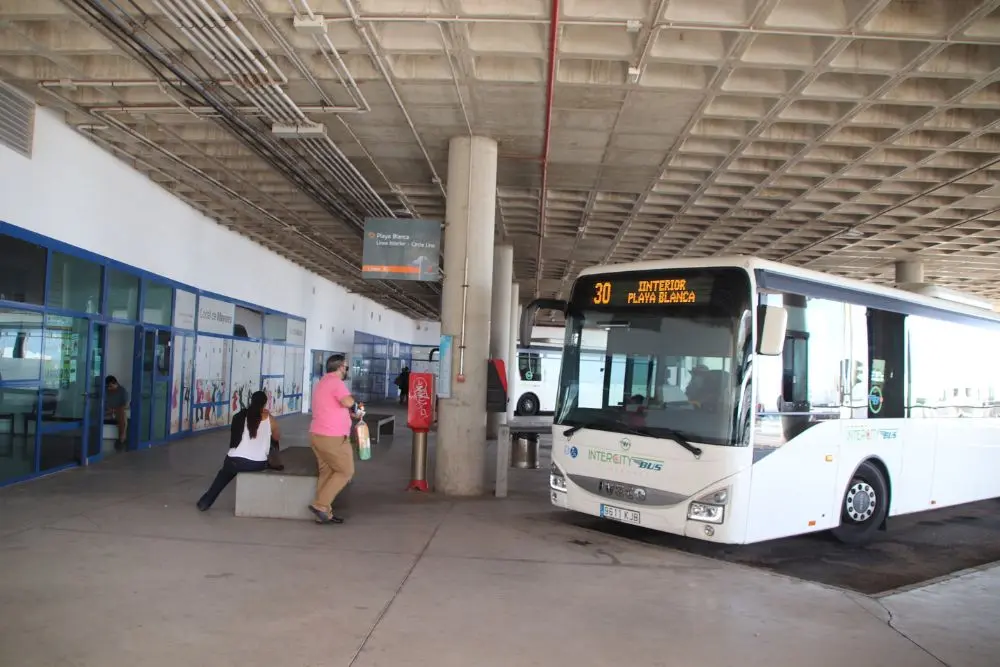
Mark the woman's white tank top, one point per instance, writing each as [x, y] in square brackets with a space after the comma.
[254, 449]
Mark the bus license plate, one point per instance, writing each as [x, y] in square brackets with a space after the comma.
[619, 514]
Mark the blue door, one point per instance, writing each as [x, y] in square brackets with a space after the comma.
[94, 420]
[153, 404]
[64, 401]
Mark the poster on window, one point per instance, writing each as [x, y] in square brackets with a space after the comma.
[188, 386]
[176, 383]
[275, 360]
[294, 371]
[211, 374]
[275, 395]
[294, 358]
[246, 373]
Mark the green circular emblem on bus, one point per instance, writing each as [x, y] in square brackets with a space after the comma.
[875, 400]
[626, 443]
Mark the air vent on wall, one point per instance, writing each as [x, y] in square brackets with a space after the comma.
[17, 120]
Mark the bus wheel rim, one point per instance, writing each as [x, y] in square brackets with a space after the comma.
[861, 501]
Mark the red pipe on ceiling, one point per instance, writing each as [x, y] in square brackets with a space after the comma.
[550, 88]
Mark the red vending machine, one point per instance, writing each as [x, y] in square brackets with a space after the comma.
[420, 418]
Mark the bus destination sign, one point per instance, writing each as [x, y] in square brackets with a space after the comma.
[667, 291]
[633, 292]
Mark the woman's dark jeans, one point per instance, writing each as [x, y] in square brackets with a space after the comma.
[230, 468]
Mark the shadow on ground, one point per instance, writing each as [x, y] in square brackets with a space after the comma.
[915, 549]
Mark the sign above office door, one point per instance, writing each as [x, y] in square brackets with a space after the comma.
[215, 317]
[401, 249]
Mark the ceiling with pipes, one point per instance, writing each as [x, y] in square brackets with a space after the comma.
[842, 135]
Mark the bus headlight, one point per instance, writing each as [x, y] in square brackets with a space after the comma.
[710, 508]
[706, 512]
[557, 480]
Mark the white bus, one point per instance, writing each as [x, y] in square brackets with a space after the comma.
[740, 400]
[536, 380]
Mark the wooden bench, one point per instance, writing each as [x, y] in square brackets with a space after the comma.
[379, 423]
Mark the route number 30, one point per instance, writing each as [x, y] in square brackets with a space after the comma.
[602, 293]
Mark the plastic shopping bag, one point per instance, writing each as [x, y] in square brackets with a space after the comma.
[364, 441]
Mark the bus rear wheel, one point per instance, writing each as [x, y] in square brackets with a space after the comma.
[527, 405]
[865, 505]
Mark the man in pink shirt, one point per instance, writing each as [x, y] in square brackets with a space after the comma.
[330, 438]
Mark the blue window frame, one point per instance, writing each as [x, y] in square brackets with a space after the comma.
[54, 278]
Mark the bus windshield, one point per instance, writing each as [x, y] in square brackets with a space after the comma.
[659, 353]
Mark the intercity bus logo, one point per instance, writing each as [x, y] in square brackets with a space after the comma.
[624, 460]
[868, 434]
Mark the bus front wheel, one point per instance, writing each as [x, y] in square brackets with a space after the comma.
[864, 507]
[527, 405]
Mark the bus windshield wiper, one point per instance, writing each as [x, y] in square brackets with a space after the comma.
[573, 429]
[682, 441]
[676, 436]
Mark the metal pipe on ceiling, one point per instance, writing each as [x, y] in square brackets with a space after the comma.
[115, 83]
[125, 30]
[122, 29]
[326, 47]
[673, 25]
[549, 94]
[238, 62]
[373, 52]
[203, 111]
[454, 77]
[225, 51]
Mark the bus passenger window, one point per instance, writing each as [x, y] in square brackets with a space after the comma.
[529, 365]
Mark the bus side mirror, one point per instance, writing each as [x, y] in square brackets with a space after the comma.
[527, 323]
[772, 321]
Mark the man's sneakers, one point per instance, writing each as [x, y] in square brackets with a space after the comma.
[325, 517]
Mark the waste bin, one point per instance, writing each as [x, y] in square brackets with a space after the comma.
[524, 451]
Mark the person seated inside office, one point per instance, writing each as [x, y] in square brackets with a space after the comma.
[115, 405]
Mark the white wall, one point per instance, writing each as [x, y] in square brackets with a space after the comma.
[119, 354]
[427, 333]
[74, 191]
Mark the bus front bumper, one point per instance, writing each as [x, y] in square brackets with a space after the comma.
[676, 519]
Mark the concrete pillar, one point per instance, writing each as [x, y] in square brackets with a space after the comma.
[909, 272]
[460, 455]
[503, 273]
[515, 319]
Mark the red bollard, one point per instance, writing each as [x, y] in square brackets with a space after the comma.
[420, 418]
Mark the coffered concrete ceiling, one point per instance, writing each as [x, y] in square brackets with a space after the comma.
[837, 134]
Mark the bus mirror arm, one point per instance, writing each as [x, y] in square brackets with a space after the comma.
[527, 323]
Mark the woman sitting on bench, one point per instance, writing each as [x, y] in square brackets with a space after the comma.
[257, 430]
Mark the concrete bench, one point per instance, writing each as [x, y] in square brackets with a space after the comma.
[279, 495]
[379, 423]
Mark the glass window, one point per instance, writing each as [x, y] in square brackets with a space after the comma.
[64, 389]
[674, 347]
[159, 303]
[249, 323]
[820, 373]
[75, 284]
[20, 370]
[123, 295]
[20, 345]
[275, 327]
[22, 271]
[529, 366]
[953, 369]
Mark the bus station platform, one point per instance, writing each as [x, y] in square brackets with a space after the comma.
[113, 565]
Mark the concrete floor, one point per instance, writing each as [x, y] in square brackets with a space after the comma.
[113, 566]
